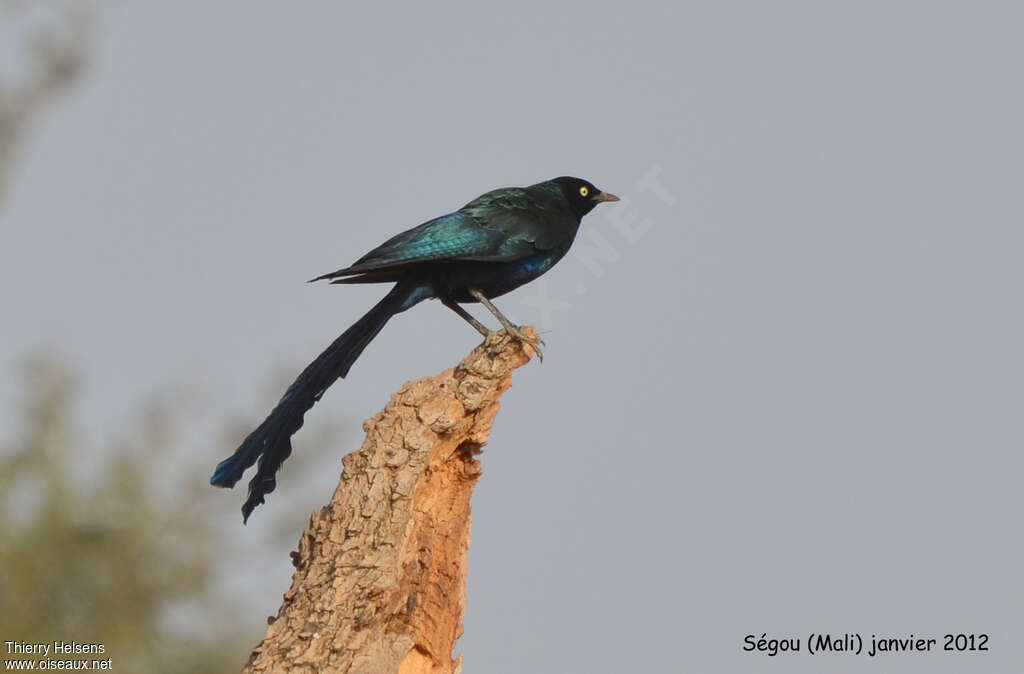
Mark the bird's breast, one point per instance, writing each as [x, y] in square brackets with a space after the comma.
[494, 279]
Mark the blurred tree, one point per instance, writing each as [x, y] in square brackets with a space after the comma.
[91, 554]
[89, 551]
[44, 46]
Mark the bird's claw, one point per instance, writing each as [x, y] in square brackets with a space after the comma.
[515, 333]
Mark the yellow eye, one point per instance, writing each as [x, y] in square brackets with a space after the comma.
[584, 191]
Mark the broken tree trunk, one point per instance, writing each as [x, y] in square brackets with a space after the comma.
[380, 573]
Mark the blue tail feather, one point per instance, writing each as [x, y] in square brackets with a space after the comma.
[270, 444]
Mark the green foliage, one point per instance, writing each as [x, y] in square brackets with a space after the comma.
[91, 554]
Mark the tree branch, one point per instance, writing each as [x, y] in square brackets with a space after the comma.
[380, 579]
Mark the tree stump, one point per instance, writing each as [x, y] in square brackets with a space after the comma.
[380, 573]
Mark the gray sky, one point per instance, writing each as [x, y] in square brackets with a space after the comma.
[782, 386]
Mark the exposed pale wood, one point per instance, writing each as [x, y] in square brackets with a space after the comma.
[380, 580]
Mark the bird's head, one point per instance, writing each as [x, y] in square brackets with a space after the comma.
[581, 194]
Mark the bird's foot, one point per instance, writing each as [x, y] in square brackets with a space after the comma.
[516, 333]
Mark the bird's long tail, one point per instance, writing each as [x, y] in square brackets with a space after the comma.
[270, 443]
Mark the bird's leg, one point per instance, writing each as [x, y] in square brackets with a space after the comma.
[454, 306]
[511, 330]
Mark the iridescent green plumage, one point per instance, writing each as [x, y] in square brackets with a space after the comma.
[504, 225]
[493, 244]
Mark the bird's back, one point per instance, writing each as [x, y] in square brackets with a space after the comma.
[500, 226]
[538, 214]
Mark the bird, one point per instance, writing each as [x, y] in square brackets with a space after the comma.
[495, 243]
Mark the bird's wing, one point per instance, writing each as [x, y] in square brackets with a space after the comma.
[499, 226]
[524, 219]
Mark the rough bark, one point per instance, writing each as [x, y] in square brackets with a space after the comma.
[380, 579]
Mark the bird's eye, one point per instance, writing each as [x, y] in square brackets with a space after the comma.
[584, 191]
